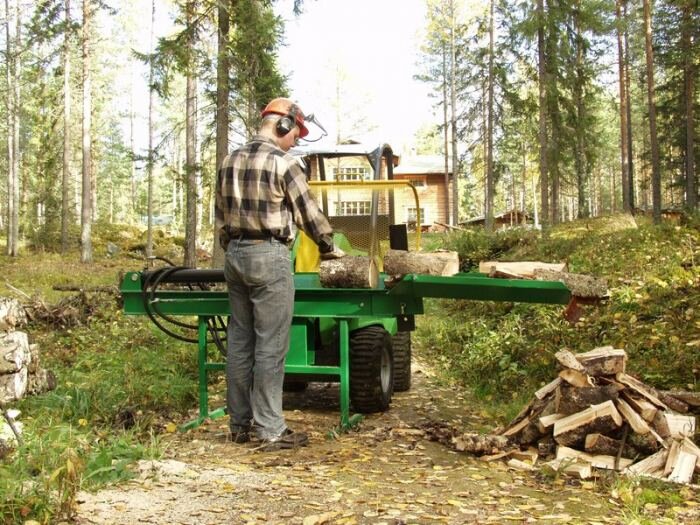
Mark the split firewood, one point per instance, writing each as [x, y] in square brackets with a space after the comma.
[401, 262]
[567, 359]
[576, 399]
[546, 446]
[680, 426]
[548, 388]
[479, 444]
[690, 447]
[603, 361]
[646, 444]
[577, 379]
[520, 465]
[349, 272]
[645, 409]
[580, 285]
[596, 460]
[519, 269]
[529, 455]
[650, 466]
[683, 468]
[660, 425]
[545, 422]
[602, 444]
[642, 389]
[572, 430]
[635, 421]
[671, 457]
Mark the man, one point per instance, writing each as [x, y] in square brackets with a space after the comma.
[261, 192]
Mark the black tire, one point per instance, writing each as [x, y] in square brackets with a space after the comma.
[401, 346]
[371, 369]
[294, 385]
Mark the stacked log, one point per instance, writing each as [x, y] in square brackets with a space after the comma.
[594, 415]
[20, 370]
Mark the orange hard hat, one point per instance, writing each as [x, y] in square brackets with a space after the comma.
[287, 108]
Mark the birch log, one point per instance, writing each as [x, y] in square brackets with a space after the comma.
[14, 352]
[13, 386]
[349, 272]
[12, 313]
[401, 262]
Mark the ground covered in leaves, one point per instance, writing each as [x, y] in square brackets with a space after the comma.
[385, 471]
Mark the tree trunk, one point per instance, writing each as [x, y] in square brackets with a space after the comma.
[691, 192]
[542, 131]
[190, 153]
[13, 122]
[489, 130]
[628, 85]
[66, 211]
[448, 212]
[581, 170]
[86, 210]
[624, 142]
[651, 102]
[149, 166]
[222, 118]
[453, 114]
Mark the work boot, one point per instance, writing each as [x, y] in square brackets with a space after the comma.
[288, 439]
[240, 435]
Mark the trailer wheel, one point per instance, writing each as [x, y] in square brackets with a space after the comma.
[401, 346]
[371, 369]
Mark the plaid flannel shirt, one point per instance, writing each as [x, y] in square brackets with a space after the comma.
[261, 190]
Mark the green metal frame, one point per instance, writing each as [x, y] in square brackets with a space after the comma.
[349, 308]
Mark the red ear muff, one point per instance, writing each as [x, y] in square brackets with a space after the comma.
[287, 122]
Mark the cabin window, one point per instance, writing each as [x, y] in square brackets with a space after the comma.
[354, 207]
[351, 174]
[411, 215]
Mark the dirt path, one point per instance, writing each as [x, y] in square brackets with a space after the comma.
[385, 472]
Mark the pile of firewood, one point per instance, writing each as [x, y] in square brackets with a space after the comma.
[596, 415]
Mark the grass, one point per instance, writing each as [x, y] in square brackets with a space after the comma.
[120, 381]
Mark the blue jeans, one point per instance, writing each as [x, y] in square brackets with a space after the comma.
[261, 293]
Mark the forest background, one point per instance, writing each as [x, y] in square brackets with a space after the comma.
[565, 109]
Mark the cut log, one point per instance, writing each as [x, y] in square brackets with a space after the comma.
[12, 314]
[529, 455]
[596, 460]
[479, 444]
[642, 389]
[548, 388]
[513, 430]
[671, 457]
[349, 272]
[579, 285]
[521, 269]
[581, 470]
[14, 352]
[683, 468]
[680, 426]
[401, 262]
[645, 409]
[692, 399]
[635, 421]
[34, 360]
[576, 399]
[673, 403]
[13, 386]
[660, 425]
[547, 421]
[602, 444]
[650, 466]
[646, 444]
[567, 359]
[575, 378]
[690, 447]
[572, 430]
[603, 361]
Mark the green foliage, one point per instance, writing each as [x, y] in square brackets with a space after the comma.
[503, 349]
[477, 245]
[120, 381]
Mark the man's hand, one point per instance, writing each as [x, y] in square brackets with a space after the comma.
[335, 253]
